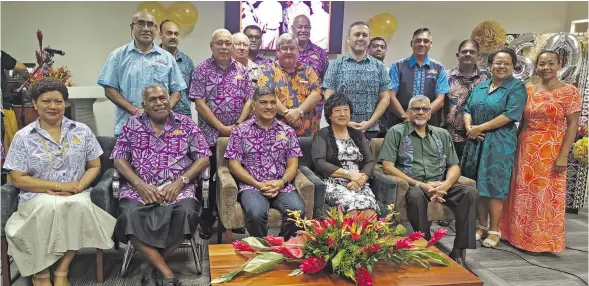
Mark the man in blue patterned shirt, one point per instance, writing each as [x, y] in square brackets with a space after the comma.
[362, 78]
[133, 66]
[170, 37]
[418, 75]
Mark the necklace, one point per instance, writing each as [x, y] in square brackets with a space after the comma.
[54, 154]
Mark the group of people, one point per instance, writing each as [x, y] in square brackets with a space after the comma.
[437, 125]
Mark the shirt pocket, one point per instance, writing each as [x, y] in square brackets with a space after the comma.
[160, 73]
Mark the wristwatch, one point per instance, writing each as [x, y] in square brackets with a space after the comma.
[301, 112]
[285, 182]
[184, 180]
[416, 185]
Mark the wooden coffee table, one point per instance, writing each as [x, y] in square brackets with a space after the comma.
[224, 259]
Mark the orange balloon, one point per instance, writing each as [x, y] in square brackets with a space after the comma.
[184, 14]
[155, 8]
[383, 25]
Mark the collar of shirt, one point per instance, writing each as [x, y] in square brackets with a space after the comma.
[410, 129]
[299, 66]
[179, 56]
[255, 123]
[413, 62]
[456, 72]
[66, 124]
[366, 57]
[171, 123]
[154, 48]
[211, 62]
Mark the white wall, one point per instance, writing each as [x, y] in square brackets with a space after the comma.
[578, 10]
[89, 31]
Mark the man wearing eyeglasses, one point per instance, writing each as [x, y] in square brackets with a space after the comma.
[418, 74]
[240, 53]
[424, 156]
[222, 92]
[170, 37]
[297, 87]
[133, 66]
[254, 34]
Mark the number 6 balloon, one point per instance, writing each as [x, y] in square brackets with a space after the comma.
[525, 66]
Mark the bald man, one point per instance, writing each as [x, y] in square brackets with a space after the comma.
[240, 53]
[133, 66]
[222, 92]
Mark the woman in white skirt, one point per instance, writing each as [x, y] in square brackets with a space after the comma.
[53, 161]
[341, 154]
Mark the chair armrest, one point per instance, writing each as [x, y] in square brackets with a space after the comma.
[227, 194]
[102, 194]
[385, 190]
[319, 208]
[466, 181]
[307, 191]
[400, 200]
[9, 202]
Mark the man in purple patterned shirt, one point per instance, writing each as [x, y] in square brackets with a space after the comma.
[254, 33]
[309, 53]
[263, 155]
[160, 153]
[222, 91]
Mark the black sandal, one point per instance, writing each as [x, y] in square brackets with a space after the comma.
[147, 275]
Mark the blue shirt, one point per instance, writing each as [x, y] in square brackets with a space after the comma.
[128, 70]
[419, 73]
[362, 81]
[187, 68]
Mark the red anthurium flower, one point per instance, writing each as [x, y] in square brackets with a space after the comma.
[242, 246]
[356, 236]
[318, 229]
[438, 234]
[275, 240]
[403, 244]
[347, 222]
[312, 264]
[371, 248]
[416, 236]
[363, 277]
[331, 242]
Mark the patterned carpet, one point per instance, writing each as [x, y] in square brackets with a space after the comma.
[493, 266]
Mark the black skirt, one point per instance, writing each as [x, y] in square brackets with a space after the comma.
[156, 225]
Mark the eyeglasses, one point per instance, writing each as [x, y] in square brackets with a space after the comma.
[221, 44]
[472, 52]
[505, 64]
[418, 109]
[239, 44]
[140, 24]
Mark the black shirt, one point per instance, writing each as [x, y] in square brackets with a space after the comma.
[8, 63]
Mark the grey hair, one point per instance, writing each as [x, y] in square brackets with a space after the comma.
[219, 32]
[238, 34]
[151, 86]
[261, 91]
[287, 37]
[138, 14]
[419, 98]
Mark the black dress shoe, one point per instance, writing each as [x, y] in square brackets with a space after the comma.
[205, 232]
[238, 230]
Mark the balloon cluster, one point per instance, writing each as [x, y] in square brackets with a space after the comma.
[183, 13]
[382, 25]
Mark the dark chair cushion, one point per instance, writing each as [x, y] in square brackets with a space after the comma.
[306, 145]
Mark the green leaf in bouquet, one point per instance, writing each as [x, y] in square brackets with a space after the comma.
[369, 267]
[350, 273]
[438, 258]
[226, 277]
[400, 229]
[263, 262]
[335, 262]
[421, 261]
[256, 242]
[296, 272]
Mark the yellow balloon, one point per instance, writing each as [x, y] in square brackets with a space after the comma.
[155, 8]
[184, 14]
[382, 25]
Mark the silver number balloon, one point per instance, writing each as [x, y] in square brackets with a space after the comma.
[525, 66]
[571, 64]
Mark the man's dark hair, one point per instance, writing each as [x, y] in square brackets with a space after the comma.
[357, 23]
[261, 91]
[378, 39]
[166, 21]
[48, 84]
[469, 41]
[419, 31]
[255, 27]
[504, 50]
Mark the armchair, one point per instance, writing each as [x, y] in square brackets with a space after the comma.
[231, 215]
[102, 184]
[435, 211]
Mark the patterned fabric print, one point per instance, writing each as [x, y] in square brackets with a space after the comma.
[418, 75]
[225, 93]
[128, 70]
[263, 153]
[34, 152]
[254, 71]
[534, 213]
[262, 61]
[361, 81]
[292, 90]
[442, 157]
[336, 191]
[187, 68]
[490, 162]
[160, 159]
[460, 89]
[406, 156]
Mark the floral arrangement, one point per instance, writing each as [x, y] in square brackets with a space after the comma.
[351, 245]
[490, 35]
[61, 73]
[580, 150]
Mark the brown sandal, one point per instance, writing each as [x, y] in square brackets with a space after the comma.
[41, 277]
[60, 274]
